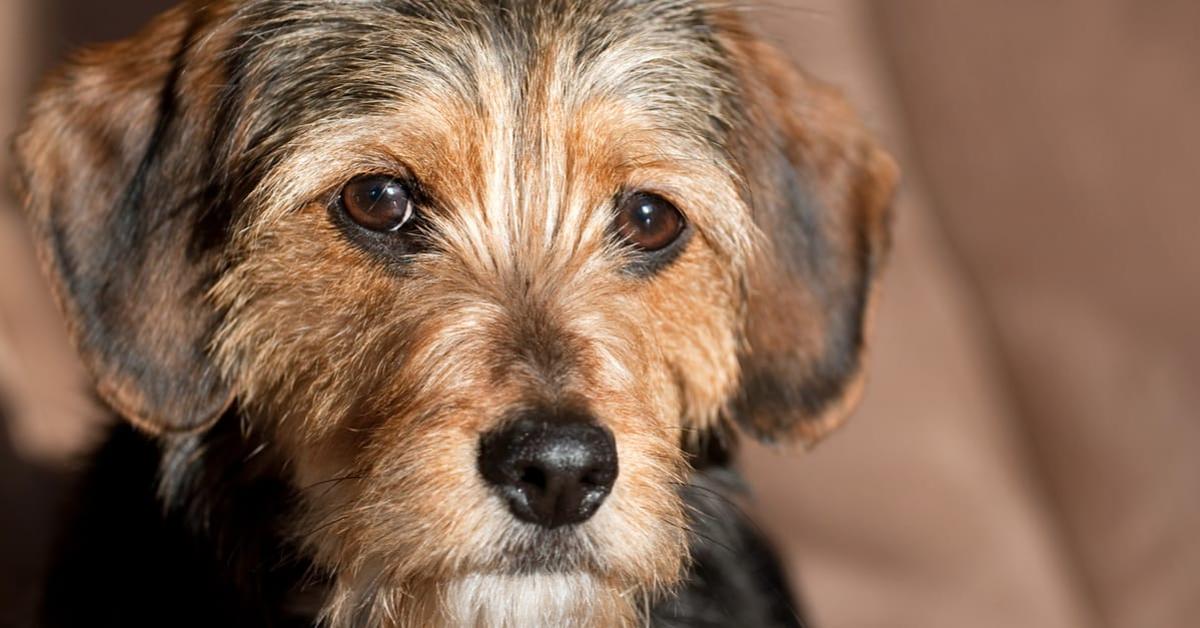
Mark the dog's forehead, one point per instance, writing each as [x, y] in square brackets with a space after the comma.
[293, 65]
[453, 41]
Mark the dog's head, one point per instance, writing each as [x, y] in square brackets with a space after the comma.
[499, 265]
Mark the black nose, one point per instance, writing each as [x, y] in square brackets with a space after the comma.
[552, 469]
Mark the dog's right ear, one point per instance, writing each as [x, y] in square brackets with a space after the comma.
[111, 173]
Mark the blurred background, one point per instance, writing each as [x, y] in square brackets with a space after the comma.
[1028, 452]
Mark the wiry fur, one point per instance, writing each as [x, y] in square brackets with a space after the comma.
[218, 271]
[554, 599]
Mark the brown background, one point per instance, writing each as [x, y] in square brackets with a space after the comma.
[1028, 453]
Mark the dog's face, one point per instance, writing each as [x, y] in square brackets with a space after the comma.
[479, 273]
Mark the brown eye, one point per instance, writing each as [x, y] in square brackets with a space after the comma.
[377, 202]
[648, 221]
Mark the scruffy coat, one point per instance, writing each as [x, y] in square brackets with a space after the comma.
[308, 395]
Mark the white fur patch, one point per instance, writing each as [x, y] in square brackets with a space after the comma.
[507, 601]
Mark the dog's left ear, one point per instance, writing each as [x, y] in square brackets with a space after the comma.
[821, 192]
[112, 166]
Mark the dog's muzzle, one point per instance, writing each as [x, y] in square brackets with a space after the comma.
[551, 468]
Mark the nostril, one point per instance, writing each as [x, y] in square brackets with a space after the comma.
[533, 476]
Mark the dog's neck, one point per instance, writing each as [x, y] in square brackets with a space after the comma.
[228, 489]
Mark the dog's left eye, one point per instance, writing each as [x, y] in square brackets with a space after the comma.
[377, 202]
[649, 221]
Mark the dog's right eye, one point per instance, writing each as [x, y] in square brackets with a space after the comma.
[377, 202]
[649, 221]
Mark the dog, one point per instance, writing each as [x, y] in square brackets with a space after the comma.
[446, 312]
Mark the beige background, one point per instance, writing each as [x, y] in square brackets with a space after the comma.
[1028, 453]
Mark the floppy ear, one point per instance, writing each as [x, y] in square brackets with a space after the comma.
[821, 192]
[110, 173]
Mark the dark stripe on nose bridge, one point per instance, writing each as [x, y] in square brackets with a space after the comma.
[538, 343]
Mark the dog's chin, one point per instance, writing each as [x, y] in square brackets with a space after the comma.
[494, 600]
[553, 578]
[534, 599]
